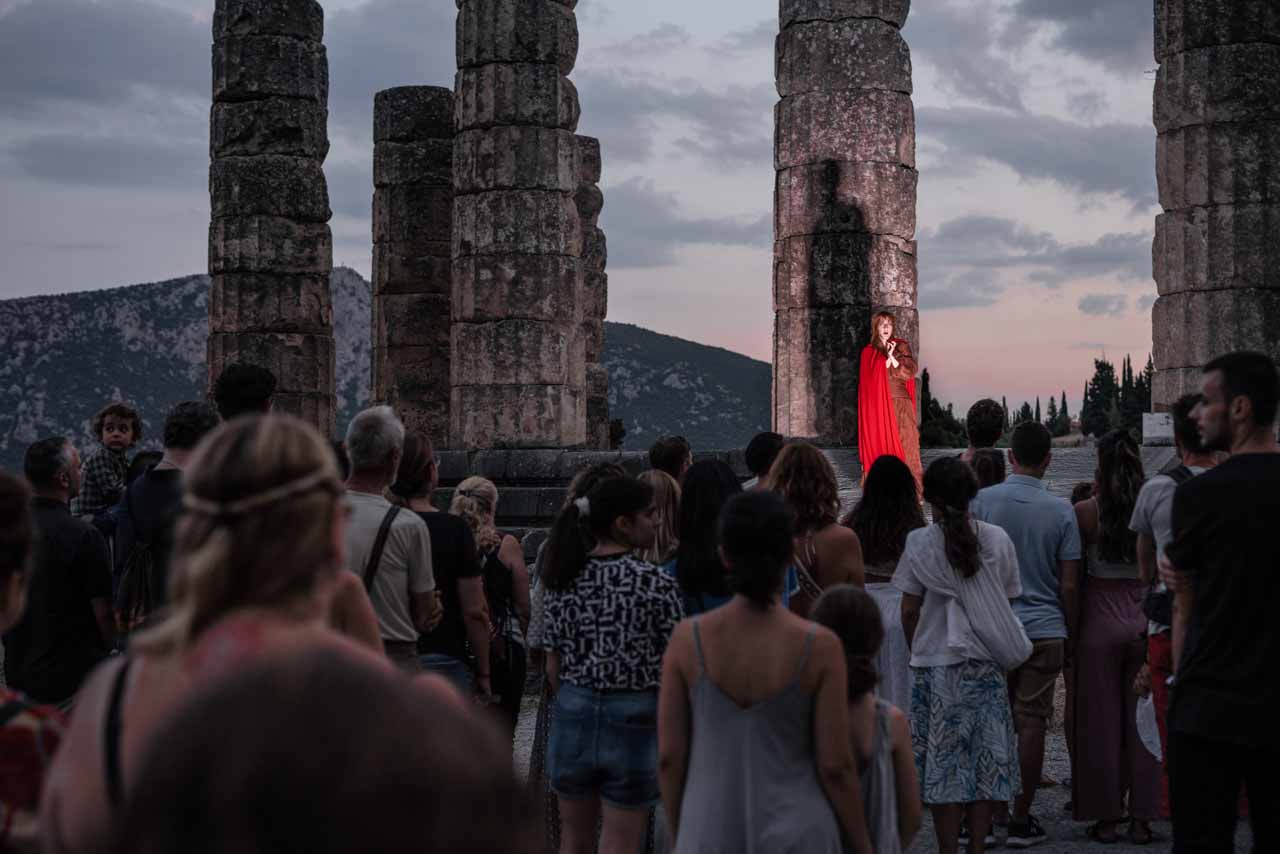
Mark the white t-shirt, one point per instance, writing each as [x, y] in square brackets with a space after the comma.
[1153, 516]
[997, 557]
[405, 566]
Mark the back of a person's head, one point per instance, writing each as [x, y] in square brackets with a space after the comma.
[44, 460]
[16, 531]
[888, 510]
[707, 486]
[1119, 478]
[803, 475]
[188, 423]
[756, 538]
[475, 501]
[988, 465]
[669, 454]
[375, 437]
[984, 425]
[1031, 444]
[413, 478]
[260, 498]
[1185, 429]
[325, 753]
[243, 389]
[950, 485]
[854, 616]
[588, 478]
[761, 451]
[1250, 375]
[586, 520]
[666, 498]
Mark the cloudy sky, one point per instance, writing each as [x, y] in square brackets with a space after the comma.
[1036, 156]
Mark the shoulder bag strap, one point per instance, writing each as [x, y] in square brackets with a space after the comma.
[379, 543]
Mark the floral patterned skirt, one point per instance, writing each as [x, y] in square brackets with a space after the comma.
[962, 734]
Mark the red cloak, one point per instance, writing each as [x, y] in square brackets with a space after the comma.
[877, 422]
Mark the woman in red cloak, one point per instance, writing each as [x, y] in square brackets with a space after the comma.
[887, 422]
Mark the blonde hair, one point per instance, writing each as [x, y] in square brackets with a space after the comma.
[257, 526]
[666, 496]
[475, 501]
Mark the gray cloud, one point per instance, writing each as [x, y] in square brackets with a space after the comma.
[970, 261]
[76, 53]
[759, 37]
[1106, 159]
[1099, 305]
[731, 127]
[1117, 33]
[662, 39]
[113, 162]
[959, 43]
[1086, 105]
[645, 226]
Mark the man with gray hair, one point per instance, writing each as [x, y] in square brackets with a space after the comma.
[389, 549]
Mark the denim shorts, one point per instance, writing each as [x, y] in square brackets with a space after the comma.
[605, 744]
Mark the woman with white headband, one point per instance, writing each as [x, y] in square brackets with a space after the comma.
[257, 563]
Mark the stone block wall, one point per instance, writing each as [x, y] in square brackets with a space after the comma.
[412, 238]
[844, 204]
[518, 373]
[270, 249]
[1215, 255]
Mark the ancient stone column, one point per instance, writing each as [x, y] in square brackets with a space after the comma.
[270, 250]
[595, 290]
[518, 371]
[412, 228]
[844, 204]
[1216, 254]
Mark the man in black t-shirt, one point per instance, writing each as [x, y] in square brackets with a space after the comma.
[146, 514]
[465, 621]
[67, 628]
[1224, 566]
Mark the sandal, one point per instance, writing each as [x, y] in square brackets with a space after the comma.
[1140, 832]
[1103, 832]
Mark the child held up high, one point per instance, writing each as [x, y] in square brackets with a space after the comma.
[104, 473]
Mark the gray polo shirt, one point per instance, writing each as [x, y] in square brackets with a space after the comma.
[1044, 531]
[405, 566]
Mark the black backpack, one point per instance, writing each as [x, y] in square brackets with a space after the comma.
[138, 594]
[1158, 604]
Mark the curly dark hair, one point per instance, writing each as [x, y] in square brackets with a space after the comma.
[803, 475]
[984, 425]
[243, 388]
[117, 409]
[887, 511]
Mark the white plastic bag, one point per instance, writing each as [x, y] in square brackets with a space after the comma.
[1147, 729]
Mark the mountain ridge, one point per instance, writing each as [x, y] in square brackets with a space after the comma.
[64, 355]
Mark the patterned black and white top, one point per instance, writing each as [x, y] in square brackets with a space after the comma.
[612, 625]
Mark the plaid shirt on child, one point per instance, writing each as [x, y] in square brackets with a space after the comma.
[102, 477]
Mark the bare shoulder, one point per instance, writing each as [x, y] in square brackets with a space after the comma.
[899, 726]
[1086, 515]
[837, 537]
[510, 547]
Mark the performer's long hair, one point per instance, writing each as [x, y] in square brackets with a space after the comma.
[875, 329]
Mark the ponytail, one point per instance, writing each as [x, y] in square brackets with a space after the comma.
[949, 485]
[584, 522]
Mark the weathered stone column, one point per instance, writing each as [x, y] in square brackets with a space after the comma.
[595, 290]
[412, 228]
[270, 250]
[844, 205]
[1216, 255]
[518, 371]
